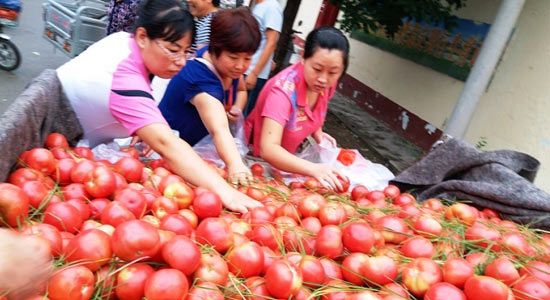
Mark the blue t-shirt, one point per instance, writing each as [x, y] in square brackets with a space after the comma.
[193, 79]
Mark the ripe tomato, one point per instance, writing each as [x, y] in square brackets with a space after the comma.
[419, 274]
[135, 239]
[180, 192]
[352, 267]
[216, 232]
[82, 169]
[538, 270]
[502, 269]
[40, 159]
[206, 290]
[166, 284]
[63, 173]
[394, 229]
[344, 181]
[75, 282]
[282, 279]
[444, 291]
[206, 204]
[313, 273]
[463, 212]
[391, 191]
[131, 281]
[182, 253]
[115, 213]
[310, 205]
[358, 192]
[531, 288]
[84, 152]
[379, 270]
[333, 213]
[485, 287]
[91, 248]
[358, 236]
[14, 204]
[64, 216]
[456, 271]
[346, 156]
[55, 139]
[129, 167]
[133, 200]
[47, 232]
[266, 235]
[245, 260]
[100, 183]
[257, 170]
[427, 226]
[212, 268]
[417, 247]
[329, 242]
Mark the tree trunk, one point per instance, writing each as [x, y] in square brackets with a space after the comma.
[285, 42]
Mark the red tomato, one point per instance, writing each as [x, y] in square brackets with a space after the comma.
[310, 205]
[40, 159]
[502, 269]
[444, 291]
[22, 175]
[346, 156]
[97, 206]
[329, 242]
[212, 268]
[91, 248]
[394, 229]
[100, 183]
[419, 274]
[205, 290]
[483, 235]
[80, 172]
[427, 226]
[313, 273]
[206, 204]
[257, 170]
[75, 191]
[131, 281]
[135, 239]
[163, 206]
[456, 271]
[391, 191]
[115, 213]
[531, 288]
[358, 236]
[36, 191]
[282, 279]
[180, 192]
[404, 199]
[358, 192]
[55, 139]
[245, 260]
[75, 282]
[166, 284]
[379, 270]
[84, 152]
[216, 232]
[133, 200]
[417, 247]
[266, 235]
[64, 216]
[257, 288]
[537, 269]
[129, 167]
[352, 267]
[14, 204]
[182, 253]
[332, 213]
[344, 181]
[82, 207]
[485, 287]
[516, 243]
[463, 212]
[433, 204]
[64, 168]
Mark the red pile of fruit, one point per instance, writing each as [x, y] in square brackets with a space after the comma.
[129, 231]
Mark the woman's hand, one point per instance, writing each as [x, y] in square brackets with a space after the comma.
[251, 80]
[147, 151]
[327, 176]
[320, 135]
[25, 264]
[239, 174]
[234, 114]
[238, 202]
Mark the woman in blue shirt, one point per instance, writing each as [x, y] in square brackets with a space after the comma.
[210, 91]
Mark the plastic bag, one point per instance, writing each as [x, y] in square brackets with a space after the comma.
[359, 171]
[112, 151]
[206, 149]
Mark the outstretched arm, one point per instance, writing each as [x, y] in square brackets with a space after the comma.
[185, 162]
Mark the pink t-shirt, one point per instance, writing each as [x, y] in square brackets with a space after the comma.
[283, 99]
[109, 88]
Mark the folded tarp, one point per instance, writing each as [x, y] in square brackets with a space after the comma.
[501, 180]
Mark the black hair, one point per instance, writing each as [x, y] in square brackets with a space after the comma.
[164, 19]
[216, 3]
[327, 38]
[234, 30]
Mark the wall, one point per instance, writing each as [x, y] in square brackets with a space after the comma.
[512, 114]
[306, 17]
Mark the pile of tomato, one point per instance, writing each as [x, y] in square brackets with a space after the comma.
[129, 230]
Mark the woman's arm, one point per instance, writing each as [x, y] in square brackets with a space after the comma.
[189, 165]
[272, 152]
[238, 107]
[214, 118]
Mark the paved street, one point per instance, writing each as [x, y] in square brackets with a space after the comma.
[37, 53]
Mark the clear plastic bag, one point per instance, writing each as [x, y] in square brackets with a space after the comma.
[206, 148]
[360, 171]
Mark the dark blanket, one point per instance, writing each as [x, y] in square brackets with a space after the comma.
[501, 180]
[41, 109]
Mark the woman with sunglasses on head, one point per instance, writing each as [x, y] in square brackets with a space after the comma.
[293, 105]
[210, 91]
[108, 86]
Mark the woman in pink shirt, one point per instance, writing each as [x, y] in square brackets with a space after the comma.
[294, 103]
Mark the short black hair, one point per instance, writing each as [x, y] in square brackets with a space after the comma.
[164, 19]
[216, 3]
[327, 38]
